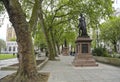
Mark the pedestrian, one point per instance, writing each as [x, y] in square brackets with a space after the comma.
[18, 57]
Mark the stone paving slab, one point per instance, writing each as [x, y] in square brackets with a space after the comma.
[5, 73]
[64, 71]
[8, 62]
[5, 63]
[39, 66]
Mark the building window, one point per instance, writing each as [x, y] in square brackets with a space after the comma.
[7, 43]
[14, 48]
[5, 49]
[9, 48]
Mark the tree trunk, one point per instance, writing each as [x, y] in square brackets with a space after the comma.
[0, 50]
[115, 47]
[114, 42]
[46, 32]
[62, 47]
[58, 47]
[53, 41]
[27, 71]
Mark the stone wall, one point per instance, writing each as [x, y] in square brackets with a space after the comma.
[108, 60]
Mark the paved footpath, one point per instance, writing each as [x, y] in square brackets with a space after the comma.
[5, 63]
[64, 71]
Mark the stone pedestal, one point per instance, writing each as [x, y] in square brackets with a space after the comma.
[83, 55]
[65, 51]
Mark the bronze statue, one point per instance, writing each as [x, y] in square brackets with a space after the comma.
[82, 26]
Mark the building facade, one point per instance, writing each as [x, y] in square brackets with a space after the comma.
[11, 44]
[1, 18]
[11, 47]
[10, 35]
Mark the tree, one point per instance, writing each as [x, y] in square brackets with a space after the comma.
[2, 44]
[39, 38]
[110, 31]
[54, 13]
[27, 71]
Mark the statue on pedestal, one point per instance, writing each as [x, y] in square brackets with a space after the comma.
[65, 43]
[83, 55]
[82, 26]
[65, 50]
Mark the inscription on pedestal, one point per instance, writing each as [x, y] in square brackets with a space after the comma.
[84, 48]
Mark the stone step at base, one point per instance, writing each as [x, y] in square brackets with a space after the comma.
[83, 62]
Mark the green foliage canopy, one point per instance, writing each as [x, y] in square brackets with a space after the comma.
[64, 14]
[110, 31]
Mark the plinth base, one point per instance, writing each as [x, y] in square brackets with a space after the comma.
[65, 51]
[86, 61]
[83, 53]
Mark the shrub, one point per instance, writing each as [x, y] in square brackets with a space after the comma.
[99, 51]
[116, 55]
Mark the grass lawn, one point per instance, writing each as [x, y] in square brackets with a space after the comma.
[6, 56]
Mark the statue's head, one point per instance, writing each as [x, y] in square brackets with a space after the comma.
[81, 14]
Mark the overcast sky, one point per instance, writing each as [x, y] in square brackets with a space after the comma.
[3, 29]
[6, 21]
[116, 4]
